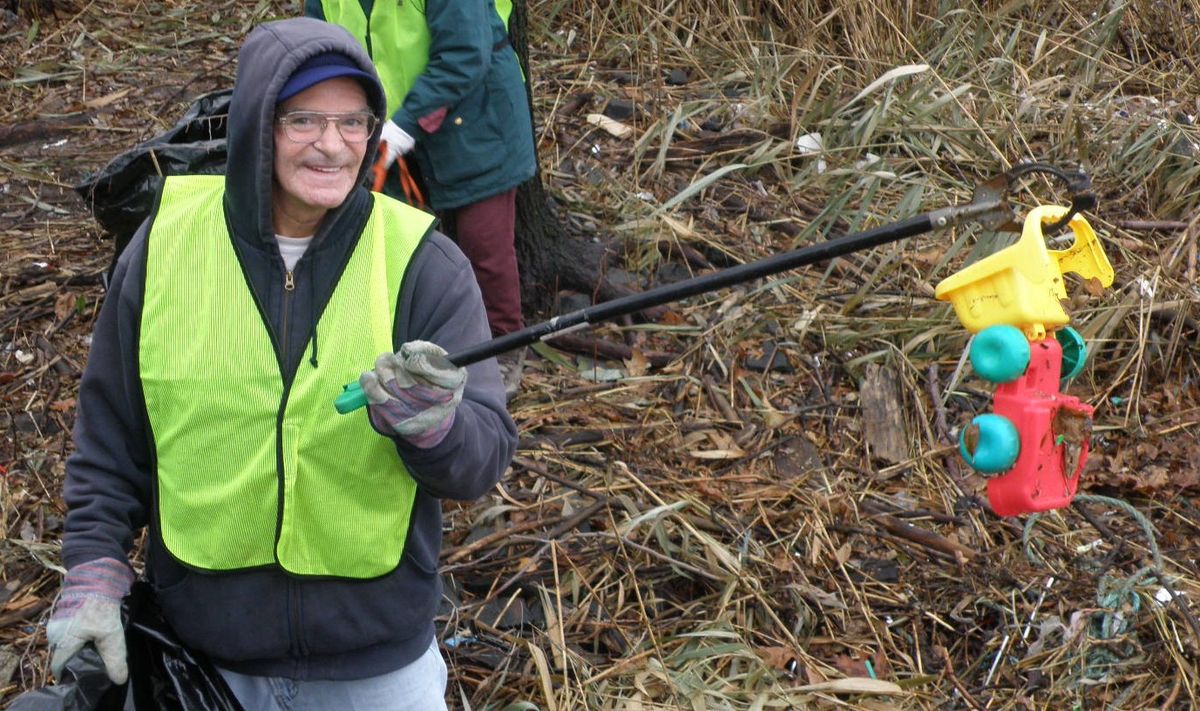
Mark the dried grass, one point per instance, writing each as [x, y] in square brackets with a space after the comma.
[706, 535]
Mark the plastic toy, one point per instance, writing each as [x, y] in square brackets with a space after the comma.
[1037, 438]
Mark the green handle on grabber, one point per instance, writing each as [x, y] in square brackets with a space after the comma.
[351, 399]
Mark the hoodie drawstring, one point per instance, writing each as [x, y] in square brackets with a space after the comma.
[312, 313]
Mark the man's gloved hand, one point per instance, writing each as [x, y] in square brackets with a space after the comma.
[89, 610]
[396, 141]
[414, 392]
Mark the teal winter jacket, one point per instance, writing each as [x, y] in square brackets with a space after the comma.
[467, 110]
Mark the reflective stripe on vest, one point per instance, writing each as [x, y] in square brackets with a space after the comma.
[395, 36]
[250, 473]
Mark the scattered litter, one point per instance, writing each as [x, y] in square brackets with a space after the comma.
[811, 144]
[1145, 288]
[599, 374]
[614, 127]
[459, 641]
[867, 160]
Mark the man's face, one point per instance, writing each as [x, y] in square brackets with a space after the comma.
[312, 178]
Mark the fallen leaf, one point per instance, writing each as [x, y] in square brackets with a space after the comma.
[63, 405]
[717, 453]
[827, 600]
[679, 227]
[782, 561]
[1093, 287]
[796, 456]
[883, 667]
[636, 364]
[1143, 480]
[781, 658]
[106, 100]
[851, 666]
[63, 306]
[853, 686]
[672, 318]
[843, 553]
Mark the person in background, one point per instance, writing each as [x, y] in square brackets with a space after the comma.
[457, 104]
[296, 547]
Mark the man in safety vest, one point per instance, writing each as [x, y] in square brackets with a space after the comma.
[296, 547]
[456, 101]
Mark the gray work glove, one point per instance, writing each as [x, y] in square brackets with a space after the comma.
[89, 610]
[413, 393]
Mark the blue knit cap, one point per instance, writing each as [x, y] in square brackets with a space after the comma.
[320, 68]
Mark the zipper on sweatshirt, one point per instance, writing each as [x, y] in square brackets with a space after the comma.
[289, 287]
[294, 614]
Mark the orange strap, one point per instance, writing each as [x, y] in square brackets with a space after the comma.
[412, 193]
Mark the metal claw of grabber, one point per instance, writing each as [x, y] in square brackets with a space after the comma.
[1077, 183]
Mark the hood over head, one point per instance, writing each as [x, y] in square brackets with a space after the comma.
[267, 61]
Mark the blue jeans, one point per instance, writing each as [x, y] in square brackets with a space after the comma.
[420, 686]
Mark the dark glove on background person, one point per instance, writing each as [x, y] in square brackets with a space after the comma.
[89, 610]
[413, 393]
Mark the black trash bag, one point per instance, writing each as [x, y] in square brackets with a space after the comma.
[163, 674]
[121, 194]
[84, 686]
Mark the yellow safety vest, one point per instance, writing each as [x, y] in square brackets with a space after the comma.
[251, 472]
[396, 37]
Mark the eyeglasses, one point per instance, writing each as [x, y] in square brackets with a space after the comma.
[309, 126]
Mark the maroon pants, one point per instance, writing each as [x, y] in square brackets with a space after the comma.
[485, 232]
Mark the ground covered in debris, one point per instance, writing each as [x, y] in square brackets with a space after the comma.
[753, 501]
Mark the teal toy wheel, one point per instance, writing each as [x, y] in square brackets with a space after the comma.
[990, 444]
[1074, 352]
[1000, 354]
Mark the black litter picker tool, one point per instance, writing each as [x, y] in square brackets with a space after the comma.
[989, 207]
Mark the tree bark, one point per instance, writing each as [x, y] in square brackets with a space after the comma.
[549, 257]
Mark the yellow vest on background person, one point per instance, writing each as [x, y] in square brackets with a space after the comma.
[253, 471]
[396, 36]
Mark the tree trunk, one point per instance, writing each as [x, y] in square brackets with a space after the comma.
[549, 257]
